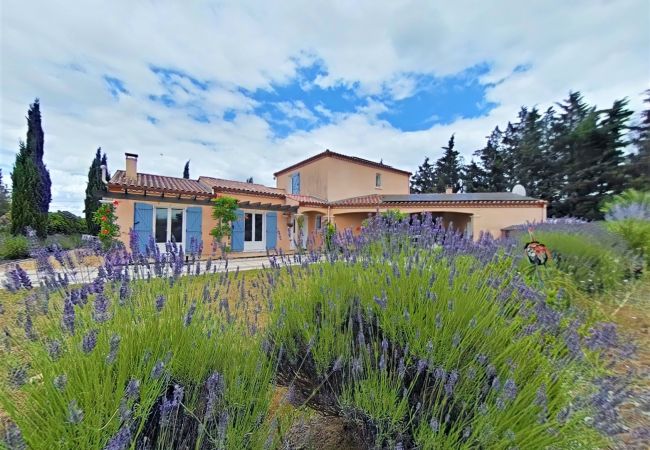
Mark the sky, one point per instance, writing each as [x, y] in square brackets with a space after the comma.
[246, 88]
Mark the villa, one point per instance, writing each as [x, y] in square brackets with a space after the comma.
[326, 188]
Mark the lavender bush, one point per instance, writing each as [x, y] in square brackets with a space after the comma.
[421, 338]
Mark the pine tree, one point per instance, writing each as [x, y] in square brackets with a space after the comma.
[639, 162]
[35, 147]
[448, 169]
[95, 188]
[186, 170]
[4, 197]
[493, 164]
[422, 181]
[24, 205]
[473, 178]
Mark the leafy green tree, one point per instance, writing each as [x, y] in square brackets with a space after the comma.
[65, 222]
[223, 211]
[186, 170]
[448, 169]
[95, 189]
[24, 205]
[423, 181]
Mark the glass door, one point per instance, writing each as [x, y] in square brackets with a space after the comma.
[254, 232]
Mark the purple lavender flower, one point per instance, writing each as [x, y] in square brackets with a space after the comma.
[455, 340]
[510, 389]
[121, 441]
[13, 437]
[169, 406]
[101, 313]
[29, 328]
[382, 362]
[602, 336]
[75, 414]
[17, 376]
[384, 345]
[452, 379]
[338, 364]
[215, 386]
[467, 431]
[381, 301]
[422, 364]
[435, 425]
[132, 390]
[160, 302]
[89, 341]
[54, 349]
[572, 340]
[190, 313]
[438, 321]
[24, 278]
[114, 345]
[60, 382]
[357, 366]
[124, 292]
[158, 370]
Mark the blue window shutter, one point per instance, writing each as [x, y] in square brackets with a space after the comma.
[295, 183]
[237, 238]
[271, 230]
[193, 228]
[143, 224]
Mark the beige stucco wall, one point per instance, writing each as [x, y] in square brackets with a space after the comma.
[490, 219]
[125, 211]
[347, 179]
[335, 179]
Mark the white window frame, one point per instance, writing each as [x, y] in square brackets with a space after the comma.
[169, 225]
[378, 178]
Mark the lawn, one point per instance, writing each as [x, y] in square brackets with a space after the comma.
[386, 343]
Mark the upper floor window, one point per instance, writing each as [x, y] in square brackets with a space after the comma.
[295, 183]
[378, 180]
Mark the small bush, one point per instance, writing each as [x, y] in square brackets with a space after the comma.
[628, 215]
[13, 247]
[65, 222]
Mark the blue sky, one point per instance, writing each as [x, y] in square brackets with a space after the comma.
[245, 88]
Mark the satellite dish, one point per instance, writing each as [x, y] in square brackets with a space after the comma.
[519, 190]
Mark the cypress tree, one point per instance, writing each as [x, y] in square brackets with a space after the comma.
[186, 170]
[494, 164]
[35, 147]
[94, 191]
[24, 205]
[448, 169]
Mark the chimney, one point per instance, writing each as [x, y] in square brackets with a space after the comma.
[449, 190]
[131, 166]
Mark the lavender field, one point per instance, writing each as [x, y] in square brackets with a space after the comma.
[406, 336]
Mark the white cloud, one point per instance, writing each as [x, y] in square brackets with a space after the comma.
[598, 47]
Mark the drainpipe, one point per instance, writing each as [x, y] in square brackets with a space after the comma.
[104, 174]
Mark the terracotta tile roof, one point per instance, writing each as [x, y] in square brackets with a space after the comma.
[159, 183]
[364, 200]
[240, 186]
[355, 159]
[307, 199]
